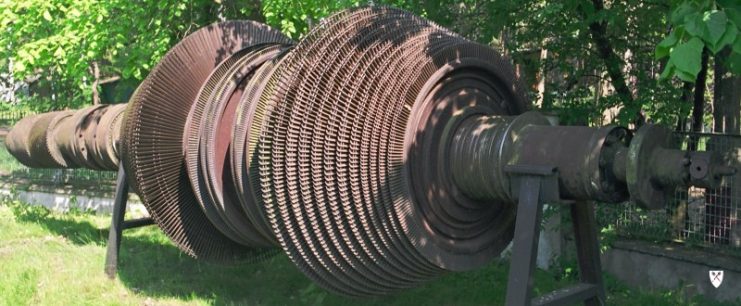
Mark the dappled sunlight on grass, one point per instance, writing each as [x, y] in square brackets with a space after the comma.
[57, 259]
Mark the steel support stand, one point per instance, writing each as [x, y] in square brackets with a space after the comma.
[536, 185]
[118, 224]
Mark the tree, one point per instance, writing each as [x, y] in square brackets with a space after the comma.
[583, 57]
[701, 29]
[64, 42]
[600, 57]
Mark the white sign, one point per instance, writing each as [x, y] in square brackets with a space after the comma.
[716, 278]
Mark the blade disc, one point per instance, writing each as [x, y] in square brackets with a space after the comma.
[103, 140]
[354, 115]
[44, 152]
[152, 147]
[326, 194]
[18, 143]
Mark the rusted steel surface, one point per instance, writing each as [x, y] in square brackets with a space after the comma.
[244, 164]
[18, 140]
[43, 150]
[67, 139]
[153, 131]
[53, 132]
[654, 168]
[372, 152]
[72, 134]
[105, 138]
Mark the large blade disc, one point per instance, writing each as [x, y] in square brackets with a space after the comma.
[152, 147]
[349, 113]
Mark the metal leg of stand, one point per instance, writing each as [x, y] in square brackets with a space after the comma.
[117, 223]
[525, 243]
[538, 185]
[534, 185]
[587, 249]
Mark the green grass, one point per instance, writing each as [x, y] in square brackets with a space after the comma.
[57, 259]
[8, 163]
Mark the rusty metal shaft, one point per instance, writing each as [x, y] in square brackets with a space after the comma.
[600, 164]
[86, 138]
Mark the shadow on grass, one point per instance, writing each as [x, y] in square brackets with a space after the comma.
[78, 232]
[152, 266]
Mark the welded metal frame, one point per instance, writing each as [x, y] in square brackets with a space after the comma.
[535, 186]
[118, 224]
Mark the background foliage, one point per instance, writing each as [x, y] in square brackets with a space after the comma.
[591, 61]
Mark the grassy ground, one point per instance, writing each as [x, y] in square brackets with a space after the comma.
[8, 163]
[57, 259]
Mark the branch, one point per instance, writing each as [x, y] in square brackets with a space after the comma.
[109, 79]
[613, 63]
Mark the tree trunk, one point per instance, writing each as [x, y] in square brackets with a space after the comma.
[698, 107]
[96, 80]
[686, 94]
[726, 120]
[698, 102]
[727, 98]
[542, 72]
[613, 63]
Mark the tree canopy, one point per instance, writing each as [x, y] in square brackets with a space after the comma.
[638, 59]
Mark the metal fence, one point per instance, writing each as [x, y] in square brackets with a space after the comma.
[697, 216]
[10, 117]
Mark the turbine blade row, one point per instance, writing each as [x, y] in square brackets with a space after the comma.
[86, 138]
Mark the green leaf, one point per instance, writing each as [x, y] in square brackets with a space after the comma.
[73, 13]
[19, 67]
[734, 63]
[288, 27]
[127, 71]
[59, 52]
[737, 45]
[694, 25]
[715, 26]
[678, 16]
[668, 71]
[687, 59]
[734, 16]
[663, 48]
[661, 52]
[47, 15]
[685, 76]
[728, 37]
[670, 40]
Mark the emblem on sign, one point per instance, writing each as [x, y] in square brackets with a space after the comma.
[716, 278]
